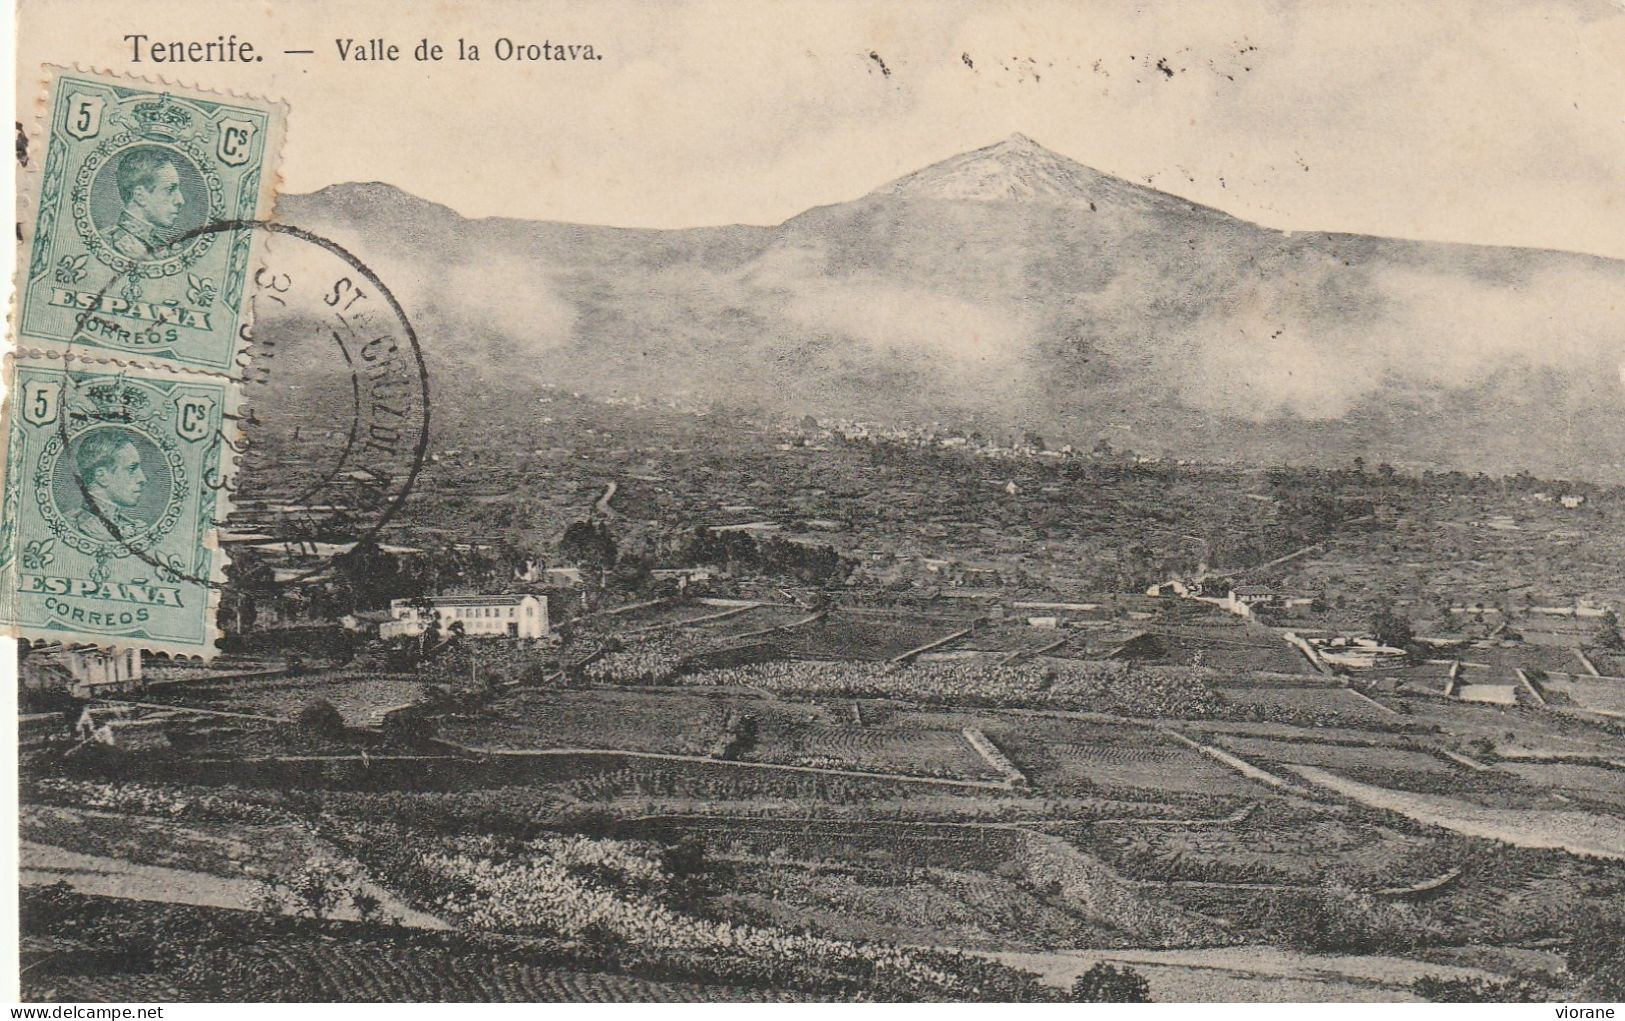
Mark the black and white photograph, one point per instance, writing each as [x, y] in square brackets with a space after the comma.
[1002, 502]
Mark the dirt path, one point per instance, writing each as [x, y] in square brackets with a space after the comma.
[1246, 769]
[44, 864]
[179, 708]
[1573, 831]
[520, 753]
[1249, 974]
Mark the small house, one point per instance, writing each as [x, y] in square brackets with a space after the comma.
[98, 671]
[1171, 587]
[127, 728]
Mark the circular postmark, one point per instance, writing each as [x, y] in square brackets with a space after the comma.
[330, 433]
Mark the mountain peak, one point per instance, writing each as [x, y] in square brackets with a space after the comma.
[371, 200]
[1019, 169]
[1015, 168]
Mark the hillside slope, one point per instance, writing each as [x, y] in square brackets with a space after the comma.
[1014, 288]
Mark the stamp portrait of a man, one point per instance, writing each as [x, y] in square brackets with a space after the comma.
[111, 482]
[149, 186]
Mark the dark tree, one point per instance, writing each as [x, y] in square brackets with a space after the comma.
[368, 578]
[1608, 636]
[319, 717]
[1106, 984]
[588, 544]
[408, 728]
[633, 572]
[252, 587]
[1391, 629]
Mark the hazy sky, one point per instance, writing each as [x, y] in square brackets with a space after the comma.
[1499, 123]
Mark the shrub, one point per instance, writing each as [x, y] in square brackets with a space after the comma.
[1105, 983]
[738, 735]
[314, 891]
[319, 717]
[1479, 990]
[1338, 918]
[1391, 629]
[408, 728]
[1596, 954]
[367, 907]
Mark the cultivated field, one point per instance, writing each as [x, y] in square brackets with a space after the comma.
[817, 821]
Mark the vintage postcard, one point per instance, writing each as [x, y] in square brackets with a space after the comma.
[1074, 502]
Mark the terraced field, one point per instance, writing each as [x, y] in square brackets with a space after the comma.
[951, 906]
[1597, 694]
[1250, 974]
[1346, 707]
[1600, 785]
[1519, 899]
[1149, 762]
[1348, 758]
[360, 698]
[1267, 847]
[386, 973]
[1513, 730]
[870, 842]
[1575, 831]
[217, 849]
[606, 779]
[528, 719]
[1224, 647]
[752, 621]
[103, 987]
[1007, 639]
[858, 638]
[658, 616]
[366, 972]
[917, 752]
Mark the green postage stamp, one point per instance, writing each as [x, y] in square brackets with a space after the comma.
[121, 413]
[127, 250]
[115, 482]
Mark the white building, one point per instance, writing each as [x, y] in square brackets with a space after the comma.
[101, 671]
[512, 616]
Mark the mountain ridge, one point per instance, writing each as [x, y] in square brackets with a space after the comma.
[1013, 286]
